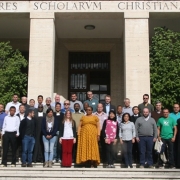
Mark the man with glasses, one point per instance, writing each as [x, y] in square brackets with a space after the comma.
[91, 101]
[67, 107]
[145, 104]
[175, 114]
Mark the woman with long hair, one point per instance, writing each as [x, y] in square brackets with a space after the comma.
[67, 138]
[110, 133]
[49, 129]
[127, 137]
[88, 136]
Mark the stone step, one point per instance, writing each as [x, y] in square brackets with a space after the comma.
[84, 173]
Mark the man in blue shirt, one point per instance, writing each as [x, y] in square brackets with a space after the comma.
[91, 101]
[67, 107]
[175, 114]
[2, 115]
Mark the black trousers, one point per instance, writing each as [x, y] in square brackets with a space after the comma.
[9, 138]
[110, 153]
[103, 149]
[170, 145]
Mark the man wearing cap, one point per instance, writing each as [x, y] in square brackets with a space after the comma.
[27, 132]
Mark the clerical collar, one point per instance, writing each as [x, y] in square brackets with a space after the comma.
[29, 118]
[57, 113]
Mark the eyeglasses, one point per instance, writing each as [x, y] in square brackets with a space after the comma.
[145, 98]
[66, 103]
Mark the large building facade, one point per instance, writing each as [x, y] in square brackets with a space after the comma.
[76, 46]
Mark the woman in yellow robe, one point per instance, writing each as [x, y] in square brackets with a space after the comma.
[88, 136]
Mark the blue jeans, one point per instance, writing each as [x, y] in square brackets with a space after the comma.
[48, 148]
[127, 151]
[145, 150]
[27, 149]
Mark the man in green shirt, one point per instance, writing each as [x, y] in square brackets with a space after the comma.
[167, 131]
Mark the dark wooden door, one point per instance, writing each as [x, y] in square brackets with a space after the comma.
[89, 71]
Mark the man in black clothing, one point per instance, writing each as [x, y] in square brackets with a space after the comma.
[135, 151]
[135, 115]
[24, 102]
[57, 147]
[38, 155]
[21, 116]
[27, 132]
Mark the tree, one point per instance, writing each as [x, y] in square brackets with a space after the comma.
[165, 66]
[12, 78]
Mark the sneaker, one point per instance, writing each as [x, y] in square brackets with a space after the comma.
[13, 165]
[53, 161]
[141, 166]
[172, 167]
[157, 165]
[151, 167]
[3, 165]
[59, 161]
[23, 165]
[112, 166]
[108, 166]
[30, 165]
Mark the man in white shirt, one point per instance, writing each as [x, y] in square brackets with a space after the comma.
[40, 101]
[14, 103]
[58, 99]
[127, 108]
[10, 132]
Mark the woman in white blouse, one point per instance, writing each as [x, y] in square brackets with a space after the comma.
[67, 137]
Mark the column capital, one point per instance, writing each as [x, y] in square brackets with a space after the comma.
[136, 15]
[42, 15]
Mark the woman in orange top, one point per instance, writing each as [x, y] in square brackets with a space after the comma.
[88, 137]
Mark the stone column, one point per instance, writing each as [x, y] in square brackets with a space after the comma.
[41, 55]
[136, 56]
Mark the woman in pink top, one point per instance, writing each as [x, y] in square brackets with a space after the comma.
[110, 132]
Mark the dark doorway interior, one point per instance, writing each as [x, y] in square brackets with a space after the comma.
[89, 71]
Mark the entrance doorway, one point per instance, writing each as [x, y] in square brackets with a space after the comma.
[89, 71]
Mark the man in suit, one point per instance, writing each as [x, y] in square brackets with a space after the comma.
[107, 106]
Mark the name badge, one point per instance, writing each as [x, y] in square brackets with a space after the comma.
[93, 103]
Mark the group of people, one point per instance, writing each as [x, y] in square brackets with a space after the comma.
[90, 132]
